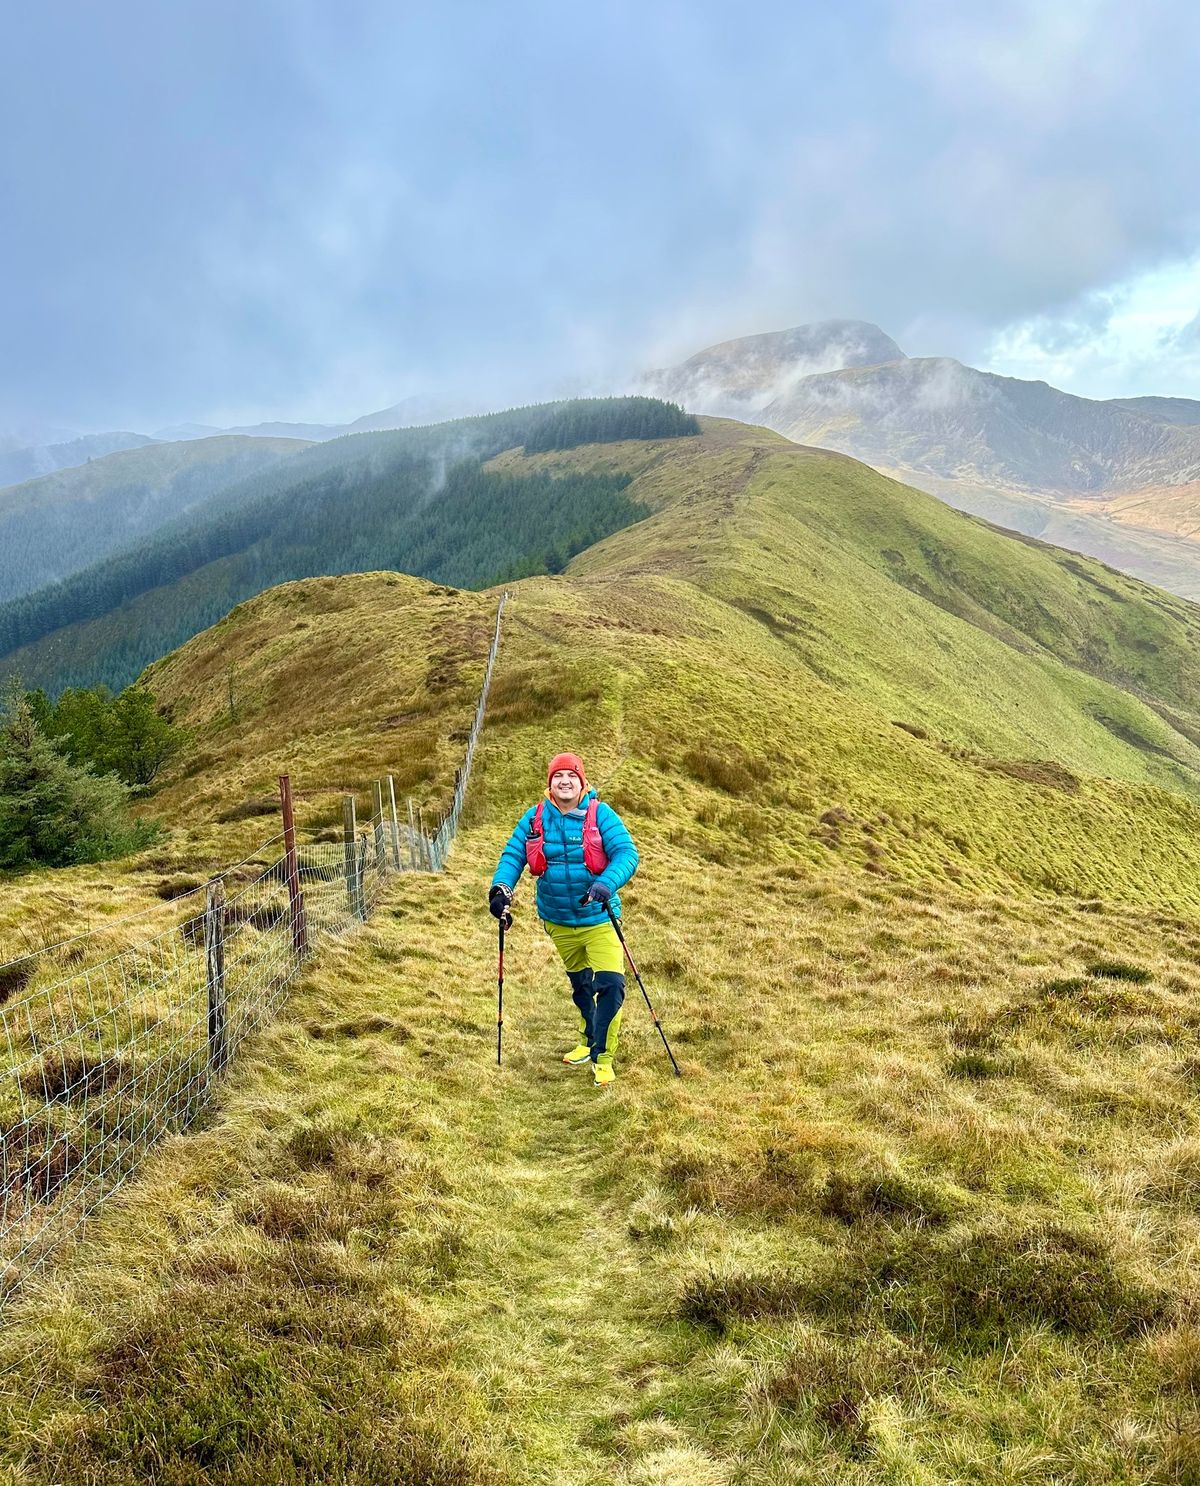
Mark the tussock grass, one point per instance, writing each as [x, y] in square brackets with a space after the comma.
[832, 1380]
[857, 1197]
[717, 1300]
[923, 1206]
[1120, 970]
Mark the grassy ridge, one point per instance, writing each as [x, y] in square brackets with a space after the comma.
[923, 1207]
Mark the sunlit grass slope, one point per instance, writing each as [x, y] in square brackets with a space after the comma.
[923, 1207]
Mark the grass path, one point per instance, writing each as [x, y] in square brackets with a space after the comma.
[552, 1311]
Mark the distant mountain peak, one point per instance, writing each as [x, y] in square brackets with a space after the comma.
[745, 375]
[1118, 479]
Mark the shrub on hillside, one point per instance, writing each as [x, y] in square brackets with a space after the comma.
[128, 735]
[53, 812]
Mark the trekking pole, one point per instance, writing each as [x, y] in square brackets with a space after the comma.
[616, 923]
[505, 923]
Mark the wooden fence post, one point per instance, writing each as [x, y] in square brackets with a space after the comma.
[214, 958]
[395, 823]
[412, 837]
[426, 860]
[292, 869]
[349, 835]
[381, 861]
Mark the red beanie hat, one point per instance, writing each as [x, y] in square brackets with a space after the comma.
[570, 761]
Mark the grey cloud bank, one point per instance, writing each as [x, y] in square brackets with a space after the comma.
[223, 213]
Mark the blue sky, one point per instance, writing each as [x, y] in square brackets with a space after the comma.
[223, 212]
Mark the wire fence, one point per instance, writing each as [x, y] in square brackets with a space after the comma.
[446, 832]
[105, 1053]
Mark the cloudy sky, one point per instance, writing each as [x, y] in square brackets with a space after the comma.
[225, 210]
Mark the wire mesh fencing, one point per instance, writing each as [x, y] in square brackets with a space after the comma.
[101, 1061]
[107, 1047]
[439, 845]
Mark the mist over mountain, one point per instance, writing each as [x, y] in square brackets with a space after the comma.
[746, 375]
[933, 414]
[422, 500]
[409, 412]
[30, 461]
[53, 526]
[21, 461]
[1116, 479]
[32, 433]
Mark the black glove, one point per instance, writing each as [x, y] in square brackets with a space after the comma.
[599, 892]
[498, 900]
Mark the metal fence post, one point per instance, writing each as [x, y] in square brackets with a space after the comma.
[214, 959]
[349, 835]
[292, 869]
[361, 878]
[381, 861]
[395, 822]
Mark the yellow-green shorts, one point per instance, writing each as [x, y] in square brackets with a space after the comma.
[591, 947]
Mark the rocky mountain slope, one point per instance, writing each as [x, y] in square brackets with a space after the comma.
[1022, 453]
[1184, 411]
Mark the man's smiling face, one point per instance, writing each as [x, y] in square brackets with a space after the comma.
[565, 788]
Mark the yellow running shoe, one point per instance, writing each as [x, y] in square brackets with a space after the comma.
[578, 1056]
[603, 1073]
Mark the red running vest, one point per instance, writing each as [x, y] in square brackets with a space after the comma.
[594, 857]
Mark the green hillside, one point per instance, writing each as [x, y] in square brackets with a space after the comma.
[920, 905]
[53, 526]
[415, 499]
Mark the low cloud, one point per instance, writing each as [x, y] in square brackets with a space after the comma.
[266, 212]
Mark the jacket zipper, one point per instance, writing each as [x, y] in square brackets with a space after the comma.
[562, 820]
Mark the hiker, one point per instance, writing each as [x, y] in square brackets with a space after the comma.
[581, 854]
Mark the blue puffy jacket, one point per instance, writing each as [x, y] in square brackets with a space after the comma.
[566, 878]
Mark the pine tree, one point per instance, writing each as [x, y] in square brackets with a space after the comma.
[52, 811]
[140, 737]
